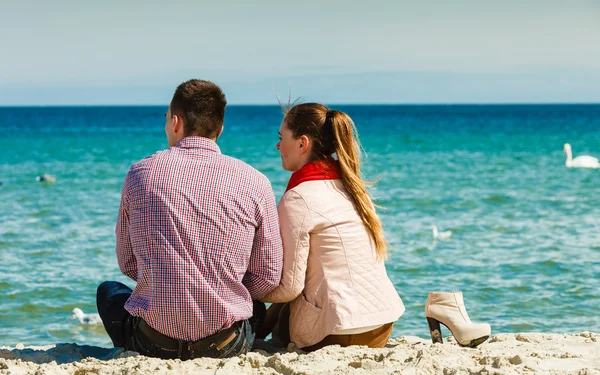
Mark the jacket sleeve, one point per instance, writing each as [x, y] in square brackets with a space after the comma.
[295, 224]
[125, 255]
[264, 269]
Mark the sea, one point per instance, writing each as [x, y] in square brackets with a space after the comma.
[525, 244]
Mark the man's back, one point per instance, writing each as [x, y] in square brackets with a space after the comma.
[198, 232]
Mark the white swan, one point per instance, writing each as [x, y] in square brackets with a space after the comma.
[440, 235]
[85, 318]
[583, 161]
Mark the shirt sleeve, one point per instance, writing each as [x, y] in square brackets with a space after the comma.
[125, 256]
[266, 259]
[295, 224]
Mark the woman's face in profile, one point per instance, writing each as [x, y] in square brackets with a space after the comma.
[289, 148]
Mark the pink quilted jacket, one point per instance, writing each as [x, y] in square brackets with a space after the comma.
[330, 271]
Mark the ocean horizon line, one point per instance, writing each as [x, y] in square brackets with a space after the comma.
[441, 104]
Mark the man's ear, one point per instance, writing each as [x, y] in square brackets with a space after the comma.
[220, 132]
[177, 124]
[304, 144]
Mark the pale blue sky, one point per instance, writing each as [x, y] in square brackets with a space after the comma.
[136, 52]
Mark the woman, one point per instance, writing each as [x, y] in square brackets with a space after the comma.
[334, 245]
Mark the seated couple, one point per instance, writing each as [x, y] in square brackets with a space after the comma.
[200, 234]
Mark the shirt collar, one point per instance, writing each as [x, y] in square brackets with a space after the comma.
[199, 143]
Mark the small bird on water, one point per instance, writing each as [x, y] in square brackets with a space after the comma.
[46, 178]
[440, 235]
[84, 318]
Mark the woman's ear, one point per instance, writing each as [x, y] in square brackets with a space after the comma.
[305, 144]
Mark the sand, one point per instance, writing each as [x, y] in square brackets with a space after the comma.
[521, 353]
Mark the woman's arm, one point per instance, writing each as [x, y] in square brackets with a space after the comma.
[295, 224]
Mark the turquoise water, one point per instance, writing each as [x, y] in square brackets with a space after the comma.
[525, 249]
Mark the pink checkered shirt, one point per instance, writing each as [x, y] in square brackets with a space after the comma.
[198, 232]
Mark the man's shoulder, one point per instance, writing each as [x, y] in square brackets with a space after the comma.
[246, 171]
[147, 162]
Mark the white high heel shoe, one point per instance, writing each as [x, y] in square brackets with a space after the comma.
[449, 309]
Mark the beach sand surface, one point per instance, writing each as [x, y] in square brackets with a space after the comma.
[521, 353]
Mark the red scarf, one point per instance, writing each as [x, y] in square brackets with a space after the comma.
[315, 170]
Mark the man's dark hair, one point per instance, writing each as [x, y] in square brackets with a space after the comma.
[201, 106]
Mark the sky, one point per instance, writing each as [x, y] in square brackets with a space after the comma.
[77, 52]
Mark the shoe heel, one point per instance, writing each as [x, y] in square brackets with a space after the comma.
[435, 330]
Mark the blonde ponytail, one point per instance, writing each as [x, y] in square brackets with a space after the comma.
[347, 148]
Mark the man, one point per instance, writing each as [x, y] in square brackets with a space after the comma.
[198, 232]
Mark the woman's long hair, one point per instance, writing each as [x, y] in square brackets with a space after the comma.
[332, 132]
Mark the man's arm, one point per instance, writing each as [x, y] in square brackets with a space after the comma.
[125, 256]
[266, 259]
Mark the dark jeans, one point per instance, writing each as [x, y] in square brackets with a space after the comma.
[276, 323]
[131, 333]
